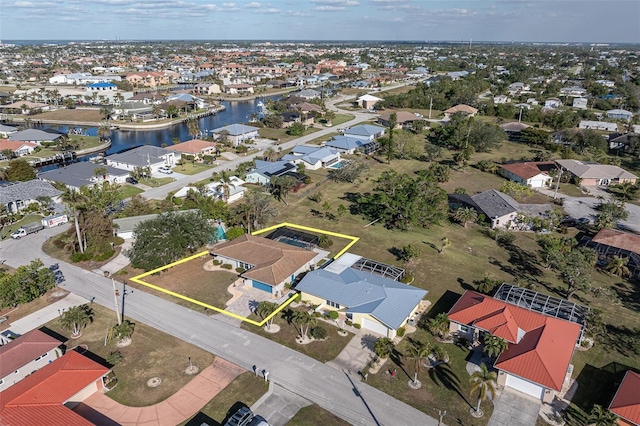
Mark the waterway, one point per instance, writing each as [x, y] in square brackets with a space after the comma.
[236, 112]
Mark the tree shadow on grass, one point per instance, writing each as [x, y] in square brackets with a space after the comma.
[443, 375]
[443, 304]
[396, 358]
[597, 386]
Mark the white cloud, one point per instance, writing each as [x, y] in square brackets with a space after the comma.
[329, 8]
[337, 3]
[271, 10]
[297, 13]
[253, 5]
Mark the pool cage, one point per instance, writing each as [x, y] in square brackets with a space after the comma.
[544, 304]
[379, 268]
[606, 252]
[295, 238]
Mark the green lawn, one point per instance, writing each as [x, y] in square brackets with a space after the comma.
[341, 119]
[192, 168]
[151, 353]
[129, 191]
[156, 182]
[321, 139]
[245, 389]
[9, 229]
[280, 135]
[314, 415]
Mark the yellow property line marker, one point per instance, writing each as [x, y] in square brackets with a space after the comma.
[139, 278]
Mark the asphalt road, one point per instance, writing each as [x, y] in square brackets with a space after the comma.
[340, 392]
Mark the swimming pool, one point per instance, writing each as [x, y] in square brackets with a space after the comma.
[338, 165]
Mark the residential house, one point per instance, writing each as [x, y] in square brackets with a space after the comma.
[265, 170]
[306, 108]
[236, 133]
[23, 107]
[534, 174]
[5, 130]
[313, 157]
[238, 89]
[147, 79]
[517, 88]
[598, 125]
[149, 156]
[514, 130]
[19, 195]
[349, 145]
[308, 94]
[207, 89]
[236, 190]
[367, 132]
[591, 174]
[501, 99]
[102, 87]
[626, 402]
[268, 265]
[573, 91]
[35, 136]
[368, 101]
[552, 103]
[195, 147]
[26, 354]
[377, 303]
[625, 141]
[540, 347]
[49, 395]
[18, 148]
[404, 119]
[83, 173]
[580, 103]
[463, 109]
[620, 114]
[611, 242]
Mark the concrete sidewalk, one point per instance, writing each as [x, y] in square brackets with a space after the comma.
[119, 262]
[46, 314]
[172, 411]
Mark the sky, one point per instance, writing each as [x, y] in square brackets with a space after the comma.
[605, 21]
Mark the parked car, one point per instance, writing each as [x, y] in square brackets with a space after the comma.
[26, 230]
[132, 180]
[242, 417]
[165, 169]
[259, 421]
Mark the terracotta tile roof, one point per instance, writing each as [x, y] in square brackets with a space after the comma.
[25, 349]
[528, 170]
[623, 240]
[540, 347]
[273, 261]
[39, 398]
[626, 402]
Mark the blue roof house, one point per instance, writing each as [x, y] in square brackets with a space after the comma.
[365, 131]
[236, 133]
[264, 170]
[377, 303]
[102, 87]
[349, 145]
[313, 157]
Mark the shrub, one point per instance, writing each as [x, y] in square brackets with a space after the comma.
[318, 332]
[114, 357]
[358, 326]
[80, 257]
[117, 241]
[226, 266]
[216, 262]
[408, 278]
[103, 256]
[383, 347]
[234, 232]
[348, 322]
[400, 332]
[317, 314]
[240, 270]
[324, 241]
[333, 315]
[297, 297]
[408, 252]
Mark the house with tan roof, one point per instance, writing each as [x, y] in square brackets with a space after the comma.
[610, 242]
[592, 174]
[626, 402]
[267, 265]
[534, 174]
[404, 119]
[26, 354]
[461, 108]
[196, 147]
[540, 347]
[49, 395]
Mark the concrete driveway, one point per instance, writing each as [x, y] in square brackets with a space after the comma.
[513, 408]
[279, 405]
[358, 352]
[585, 207]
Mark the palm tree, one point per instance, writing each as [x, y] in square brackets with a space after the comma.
[466, 214]
[445, 243]
[418, 352]
[156, 110]
[74, 199]
[124, 330]
[265, 309]
[618, 266]
[105, 112]
[439, 324]
[76, 318]
[494, 345]
[193, 127]
[270, 154]
[104, 132]
[329, 116]
[393, 121]
[224, 178]
[602, 417]
[303, 320]
[383, 347]
[485, 383]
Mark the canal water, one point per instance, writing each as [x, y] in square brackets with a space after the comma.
[236, 112]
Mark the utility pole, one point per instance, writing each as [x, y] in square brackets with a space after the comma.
[115, 298]
[430, 106]
[520, 115]
[555, 194]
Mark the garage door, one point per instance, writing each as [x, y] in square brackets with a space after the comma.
[261, 286]
[374, 326]
[524, 386]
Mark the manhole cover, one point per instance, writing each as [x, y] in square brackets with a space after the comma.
[154, 382]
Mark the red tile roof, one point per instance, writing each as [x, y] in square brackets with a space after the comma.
[39, 398]
[623, 240]
[25, 349]
[527, 170]
[540, 347]
[626, 403]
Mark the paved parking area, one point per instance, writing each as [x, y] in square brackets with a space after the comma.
[357, 353]
[513, 408]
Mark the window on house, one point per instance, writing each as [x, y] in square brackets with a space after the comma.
[42, 356]
[245, 266]
[16, 372]
[333, 304]
[463, 328]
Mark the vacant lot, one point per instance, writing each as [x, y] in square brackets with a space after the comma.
[78, 114]
[151, 353]
[314, 415]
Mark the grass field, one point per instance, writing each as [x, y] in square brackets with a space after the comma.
[314, 415]
[341, 119]
[472, 255]
[129, 191]
[189, 168]
[151, 353]
[78, 114]
[156, 182]
[9, 229]
[280, 135]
